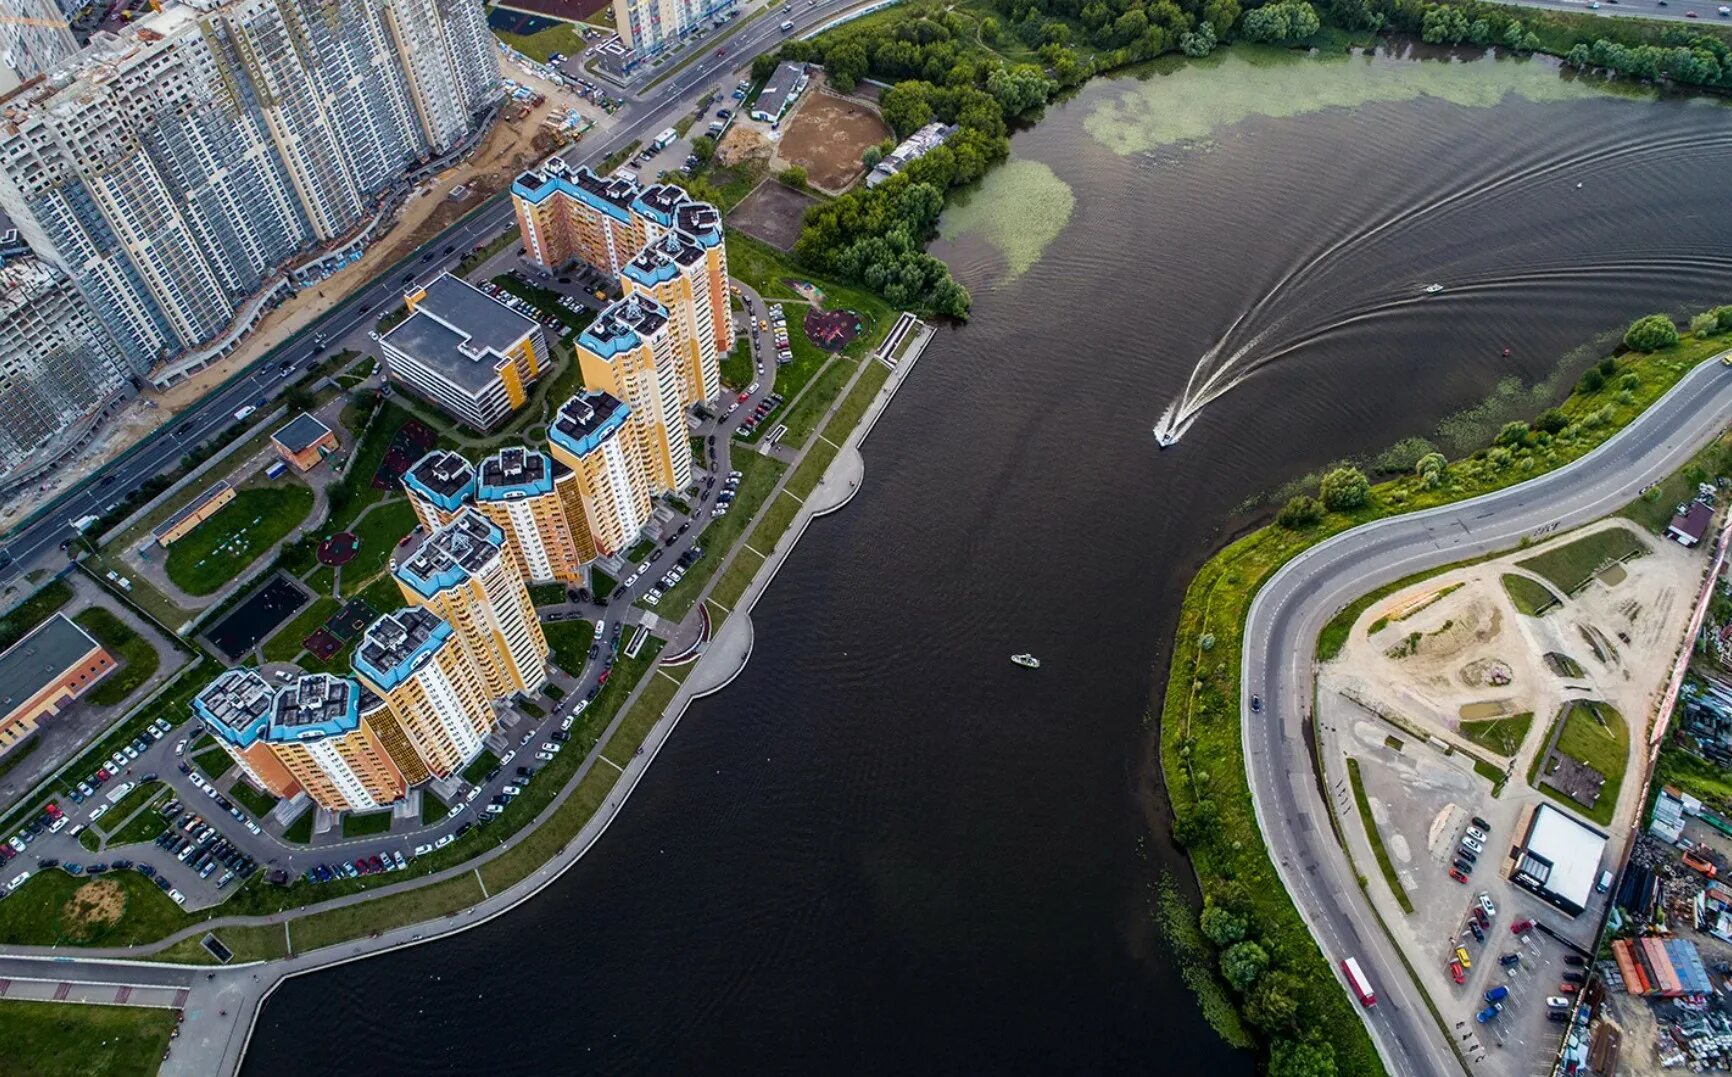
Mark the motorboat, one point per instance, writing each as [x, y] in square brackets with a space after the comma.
[1027, 661]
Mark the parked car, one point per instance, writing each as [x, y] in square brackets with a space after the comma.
[1456, 973]
[1497, 994]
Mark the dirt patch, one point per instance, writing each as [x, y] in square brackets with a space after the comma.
[1486, 671]
[772, 213]
[743, 142]
[827, 136]
[92, 909]
[1482, 711]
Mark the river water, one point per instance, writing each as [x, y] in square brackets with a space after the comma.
[887, 847]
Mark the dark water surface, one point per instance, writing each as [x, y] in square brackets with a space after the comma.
[886, 847]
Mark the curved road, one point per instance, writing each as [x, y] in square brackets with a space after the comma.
[1281, 638]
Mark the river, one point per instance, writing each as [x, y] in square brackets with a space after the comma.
[885, 847]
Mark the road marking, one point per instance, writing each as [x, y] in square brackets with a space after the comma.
[483, 882]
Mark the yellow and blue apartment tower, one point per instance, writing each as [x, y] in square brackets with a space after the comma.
[439, 485]
[463, 575]
[686, 271]
[575, 215]
[324, 730]
[413, 661]
[515, 488]
[629, 353]
[607, 491]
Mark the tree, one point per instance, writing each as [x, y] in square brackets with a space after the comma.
[1272, 1004]
[1443, 25]
[1299, 513]
[1198, 826]
[1551, 420]
[1279, 23]
[872, 156]
[1222, 927]
[1345, 489]
[1512, 434]
[793, 176]
[1295, 1058]
[1242, 963]
[846, 64]
[703, 147]
[1724, 316]
[907, 106]
[1592, 381]
[1431, 468]
[764, 66]
[1704, 324]
[1650, 334]
[1198, 43]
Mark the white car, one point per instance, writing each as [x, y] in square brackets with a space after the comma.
[120, 791]
[118, 760]
[423, 850]
[600, 626]
[472, 794]
[512, 790]
[180, 746]
[131, 752]
[565, 723]
[18, 880]
[1557, 1002]
[1477, 834]
[495, 809]
[254, 827]
[582, 705]
[1474, 845]
[179, 898]
[58, 825]
[508, 757]
[101, 810]
[443, 842]
[1485, 903]
[545, 757]
[718, 513]
[550, 746]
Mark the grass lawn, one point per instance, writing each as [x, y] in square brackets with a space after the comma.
[301, 830]
[546, 300]
[285, 643]
[547, 594]
[58, 1039]
[570, 642]
[1595, 734]
[117, 909]
[1501, 735]
[379, 533]
[33, 611]
[18, 754]
[759, 478]
[432, 808]
[138, 659]
[363, 826]
[1530, 596]
[644, 713]
[561, 37]
[640, 551]
[215, 762]
[736, 366]
[261, 942]
[1491, 774]
[600, 583]
[1572, 565]
[129, 803]
[353, 921]
[803, 417]
[355, 490]
[251, 799]
[479, 768]
[1376, 839]
[144, 826]
[217, 549]
[321, 580]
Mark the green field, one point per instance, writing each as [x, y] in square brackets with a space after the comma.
[561, 38]
[570, 642]
[351, 921]
[45, 911]
[365, 826]
[1501, 735]
[285, 642]
[131, 802]
[1572, 565]
[138, 659]
[33, 611]
[379, 534]
[479, 767]
[547, 594]
[58, 1039]
[1654, 509]
[1596, 734]
[1529, 596]
[301, 830]
[217, 550]
[260, 804]
[215, 762]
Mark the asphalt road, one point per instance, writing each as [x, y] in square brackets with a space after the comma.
[36, 544]
[1672, 10]
[1281, 637]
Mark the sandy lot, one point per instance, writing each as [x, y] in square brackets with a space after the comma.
[827, 136]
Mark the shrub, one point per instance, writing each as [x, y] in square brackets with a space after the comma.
[1592, 381]
[1299, 513]
[1705, 324]
[793, 176]
[1650, 334]
[1242, 963]
[1345, 489]
[1552, 420]
[1512, 434]
[1222, 927]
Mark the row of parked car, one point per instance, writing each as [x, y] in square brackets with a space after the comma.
[222, 802]
[199, 845]
[671, 578]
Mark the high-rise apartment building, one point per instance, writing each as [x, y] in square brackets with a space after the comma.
[609, 460]
[330, 735]
[173, 170]
[686, 271]
[412, 660]
[237, 708]
[462, 574]
[516, 489]
[34, 39]
[439, 485]
[630, 352]
[577, 215]
[649, 27]
[59, 369]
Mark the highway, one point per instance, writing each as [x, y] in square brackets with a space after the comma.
[36, 543]
[1278, 665]
[1670, 10]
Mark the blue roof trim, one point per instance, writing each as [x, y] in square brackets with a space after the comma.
[502, 491]
[242, 736]
[445, 579]
[661, 217]
[387, 679]
[607, 349]
[663, 272]
[449, 504]
[551, 185]
[345, 723]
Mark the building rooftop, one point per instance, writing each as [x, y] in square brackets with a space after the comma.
[460, 331]
[662, 260]
[701, 221]
[1561, 858]
[237, 706]
[784, 83]
[623, 325]
[315, 706]
[659, 202]
[40, 659]
[514, 472]
[191, 508]
[443, 478]
[301, 433]
[1693, 522]
[452, 554]
[398, 644]
[587, 420]
[610, 195]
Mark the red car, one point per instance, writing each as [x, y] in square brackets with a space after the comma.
[1455, 873]
[1569, 989]
[1520, 926]
[603, 678]
[1455, 972]
[743, 397]
[52, 809]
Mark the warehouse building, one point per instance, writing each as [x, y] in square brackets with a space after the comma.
[47, 669]
[1559, 859]
[468, 354]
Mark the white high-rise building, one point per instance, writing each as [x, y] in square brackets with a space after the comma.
[34, 39]
[173, 170]
[651, 26]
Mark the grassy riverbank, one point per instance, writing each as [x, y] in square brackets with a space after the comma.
[1201, 753]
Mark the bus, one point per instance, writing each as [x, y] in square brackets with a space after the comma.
[1357, 981]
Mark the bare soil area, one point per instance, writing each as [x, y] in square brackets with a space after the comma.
[827, 136]
[92, 907]
[772, 213]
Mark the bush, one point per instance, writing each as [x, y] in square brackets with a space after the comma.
[1299, 513]
[793, 176]
[1592, 381]
[1552, 420]
[1705, 324]
[1403, 456]
[1723, 315]
[1295, 1058]
[1345, 489]
[1223, 928]
[1242, 963]
[1650, 334]
[1512, 434]
[1431, 468]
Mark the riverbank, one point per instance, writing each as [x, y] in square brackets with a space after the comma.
[1202, 759]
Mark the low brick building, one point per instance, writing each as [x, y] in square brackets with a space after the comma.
[41, 673]
[197, 511]
[304, 441]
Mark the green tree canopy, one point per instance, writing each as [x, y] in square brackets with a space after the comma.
[1297, 1058]
[1221, 926]
[1242, 963]
[1300, 512]
[1650, 334]
[1345, 489]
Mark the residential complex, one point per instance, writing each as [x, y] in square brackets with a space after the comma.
[47, 669]
[631, 352]
[412, 660]
[439, 485]
[462, 574]
[236, 708]
[34, 39]
[175, 169]
[516, 488]
[610, 461]
[466, 352]
[686, 271]
[651, 26]
[59, 369]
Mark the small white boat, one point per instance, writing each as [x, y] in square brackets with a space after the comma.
[1433, 289]
[1027, 661]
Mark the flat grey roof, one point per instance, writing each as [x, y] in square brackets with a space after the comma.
[455, 327]
[192, 506]
[303, 430]
[776, 92]
[40, 659]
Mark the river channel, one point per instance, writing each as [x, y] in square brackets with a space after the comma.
[885, 847]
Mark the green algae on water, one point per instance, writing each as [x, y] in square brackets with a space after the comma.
[1019, 208]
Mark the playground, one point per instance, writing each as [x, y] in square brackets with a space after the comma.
[339, 549]
[329, 639]
[411, 442]
[832, 330]
[257, 617]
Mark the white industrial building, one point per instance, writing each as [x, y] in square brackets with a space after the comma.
[1559, 859]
